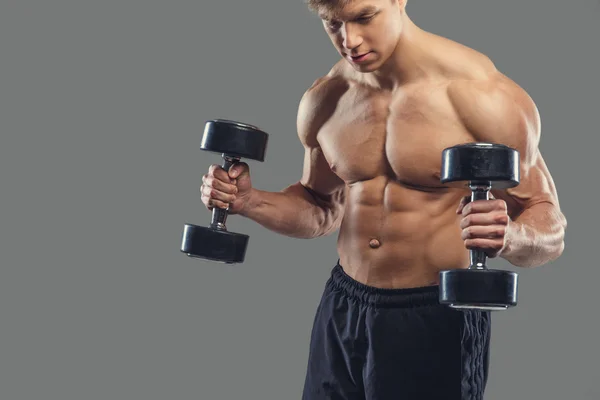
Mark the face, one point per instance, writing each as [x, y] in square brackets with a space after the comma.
[365, 32]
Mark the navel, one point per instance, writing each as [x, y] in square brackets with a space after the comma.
[374, 243]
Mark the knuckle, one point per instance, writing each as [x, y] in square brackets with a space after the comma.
[218, 173]
[221, 186]
[499, 204]
[225, 187]
[467, 233]
[223, 176]
[215, 183]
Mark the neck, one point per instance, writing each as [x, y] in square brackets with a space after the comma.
[409, 60]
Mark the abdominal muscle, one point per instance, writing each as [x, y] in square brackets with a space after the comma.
[396, 236]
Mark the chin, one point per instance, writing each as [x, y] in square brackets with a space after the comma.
[364, 68]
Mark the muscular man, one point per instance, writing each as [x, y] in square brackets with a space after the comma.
[373, 129]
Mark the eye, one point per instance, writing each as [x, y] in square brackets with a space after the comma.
[333, 24]
[364, 20]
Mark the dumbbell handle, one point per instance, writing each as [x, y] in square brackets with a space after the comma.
[478, 256]
[219, 215]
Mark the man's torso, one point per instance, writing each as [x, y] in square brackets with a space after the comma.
[399, 227]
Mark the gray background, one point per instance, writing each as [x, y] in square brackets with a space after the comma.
[102, 108]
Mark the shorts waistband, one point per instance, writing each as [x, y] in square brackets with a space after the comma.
[401, 297]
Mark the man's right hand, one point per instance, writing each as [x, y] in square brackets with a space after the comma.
[222, 189]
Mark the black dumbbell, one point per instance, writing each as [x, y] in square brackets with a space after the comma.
[481, 167]
[234, 140]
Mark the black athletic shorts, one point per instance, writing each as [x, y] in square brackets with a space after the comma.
[394, 344]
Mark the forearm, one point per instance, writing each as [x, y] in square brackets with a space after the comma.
[536, 236]
[293, 212]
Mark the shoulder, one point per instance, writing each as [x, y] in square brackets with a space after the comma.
[328, 87]
[495, 109]
[318, 103]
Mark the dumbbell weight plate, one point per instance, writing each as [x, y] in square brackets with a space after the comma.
[234, 139]
[495, 164]
[214, 244]
[478, 288]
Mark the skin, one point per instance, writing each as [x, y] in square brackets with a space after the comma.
[373, 133]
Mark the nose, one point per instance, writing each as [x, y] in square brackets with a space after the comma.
[351, 37]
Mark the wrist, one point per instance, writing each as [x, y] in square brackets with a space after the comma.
[513, 241]
[251, 202]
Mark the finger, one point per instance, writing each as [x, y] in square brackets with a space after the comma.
[218, 172]
[213, 168]
[212, 203]
[215, 194]
[483, 206]
[483, 232]
[218, 184]
[206, 202]
[490, 246]
[463, 202]
[239, 169]
[494, 218]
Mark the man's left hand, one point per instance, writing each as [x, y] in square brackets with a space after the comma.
[485, 225]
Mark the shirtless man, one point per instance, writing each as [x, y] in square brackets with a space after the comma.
[373, 129]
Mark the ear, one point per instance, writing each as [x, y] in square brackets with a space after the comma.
[401, 4]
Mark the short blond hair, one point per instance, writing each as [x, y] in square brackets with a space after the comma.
[328, 5]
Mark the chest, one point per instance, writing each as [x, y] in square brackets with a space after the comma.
[402, 136]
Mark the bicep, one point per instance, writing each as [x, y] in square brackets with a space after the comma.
[502, 112]
[536, 186]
